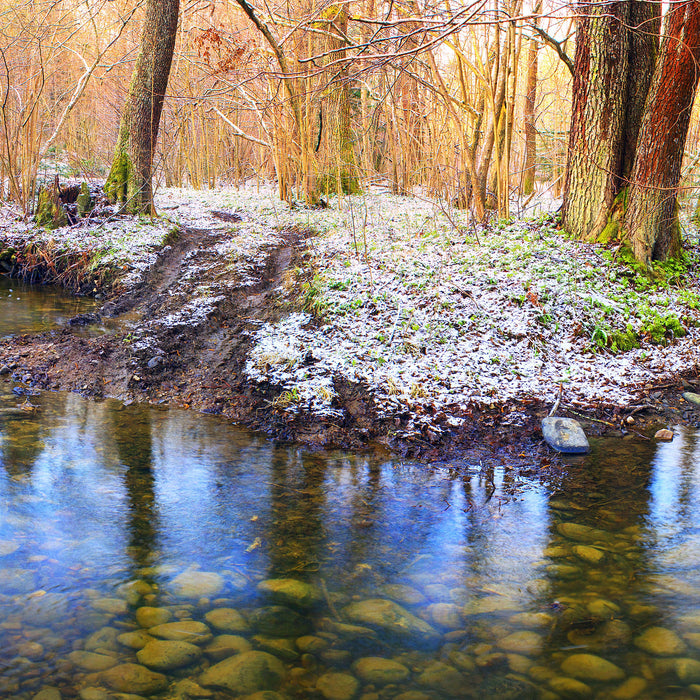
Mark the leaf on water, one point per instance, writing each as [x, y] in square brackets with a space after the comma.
[257, 542]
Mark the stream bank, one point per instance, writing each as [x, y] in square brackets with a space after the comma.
[244, 312]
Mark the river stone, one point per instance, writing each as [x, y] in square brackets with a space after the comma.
[591, 555]
[310, 644]
[245, 673]
[162, 655]
[17, 580]
[8, 547]
[688, 670]
[104, 639]
[401, 593]
[283, 648]
[265, 695]
[134, 640]
[632, 688]
[279, 621]
[197, 584]
[660, 641]
[664, 434]
[524, 642]
[183, 631]
[290, 591]
[570, 688]
[603, 608]
[390, 617]
[592, 668]
[692, 397]
[113, 606]
[380, 671]
[444, 678]
[48, 694]
[565, 435]
[133, 678]
[446, 615]
[227, 620]
[532, 620]
[491, 604]
[187, 689]
[93, 693]
[226, 645]
[581, 533]
[90, 661]
[338, 686]
[150, 617]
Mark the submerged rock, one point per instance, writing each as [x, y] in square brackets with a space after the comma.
[245, 673]
[133, 678]
[183, 631]
[380, 671]
[390, 617]
[163, 655]
[279, 621]
[660, 641]
[338, 686]
[565, 435]
[692, 397]
[227, 620]
[589, 667]
[197, 584]
[226, 645]
[289, 591]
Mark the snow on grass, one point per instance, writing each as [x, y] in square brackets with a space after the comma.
[429, 311]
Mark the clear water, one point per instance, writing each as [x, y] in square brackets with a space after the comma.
[26, 308]
[585, 586]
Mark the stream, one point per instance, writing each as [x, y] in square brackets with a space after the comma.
[151, 552]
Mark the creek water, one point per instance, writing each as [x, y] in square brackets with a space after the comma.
[154, 552]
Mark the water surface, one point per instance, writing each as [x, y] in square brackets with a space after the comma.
[473, 581]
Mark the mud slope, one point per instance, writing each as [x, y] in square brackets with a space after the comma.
[182, 339]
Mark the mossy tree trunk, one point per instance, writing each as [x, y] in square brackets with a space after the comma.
[651, 220]
[529, 166]
[130, 178]
[630, 117]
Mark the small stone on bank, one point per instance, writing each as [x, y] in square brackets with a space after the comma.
[691, 397]
[663, 434]
[565, 435]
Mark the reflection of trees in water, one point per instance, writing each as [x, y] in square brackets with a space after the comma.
[22, 437]
[131, 434]
[607, 491]
[296, 507]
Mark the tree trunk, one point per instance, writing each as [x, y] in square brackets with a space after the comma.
[130, 178]
[651, 220]
[598, 119]
[529, 118]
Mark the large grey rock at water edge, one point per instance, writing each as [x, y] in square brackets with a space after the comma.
[565, 435]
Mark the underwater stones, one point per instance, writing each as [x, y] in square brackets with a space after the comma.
[134, 640]
[338, 686]
[311, 644]
[380, 671]
[90, 661]
[227, 620]
[290, 591]
[581, 533]
[444, 678]
[590, 555]
[183, 631]
[446, 615]
[48, 694]
[660, 641]
[565, 435]
[692, 397]
[603, 608]
[532, 620]
[16, 580]
[225, 645]
[570, 688]
[403, 594]
[133, 678]
[104, 639]
[197, 584]
[589, 667]
[163, 655]
[525, 642]
[491, 604]
[688, 670]
[279, 621]
[283, 648]
[150, 617]
[8, 547]
[187, 688]
[245, 673]
[113, 606]
[631, 688]
[390, 617]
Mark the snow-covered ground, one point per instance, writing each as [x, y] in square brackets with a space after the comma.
[429, 311]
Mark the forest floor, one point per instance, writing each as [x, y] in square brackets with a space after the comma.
[378, 319]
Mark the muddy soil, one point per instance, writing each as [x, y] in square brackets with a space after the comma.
[183, 336]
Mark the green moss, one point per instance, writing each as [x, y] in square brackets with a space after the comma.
[117, 185]
[84, 201]
[49, 211]
[663, 329]
[612, 230]
[622, 341]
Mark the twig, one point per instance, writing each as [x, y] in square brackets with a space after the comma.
[556, 403]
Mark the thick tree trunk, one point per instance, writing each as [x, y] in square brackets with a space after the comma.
[598, 118]
[651, 220]
[130, 178]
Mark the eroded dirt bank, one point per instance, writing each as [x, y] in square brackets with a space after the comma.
[183, 336]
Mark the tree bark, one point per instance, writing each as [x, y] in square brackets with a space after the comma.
[529, 167]
[130, 178]
[598, 119]
[651, 219]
